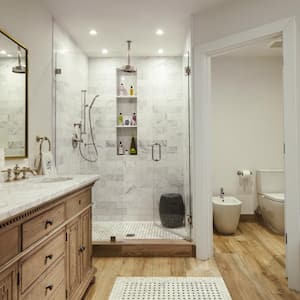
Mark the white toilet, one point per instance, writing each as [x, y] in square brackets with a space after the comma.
[270, 196]
[226, 211]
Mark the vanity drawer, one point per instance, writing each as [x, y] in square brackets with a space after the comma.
[10, 246]
[49, 284]
[41, 225]
[77, 203]
[36, 264]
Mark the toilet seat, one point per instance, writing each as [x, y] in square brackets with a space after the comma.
[277, 197]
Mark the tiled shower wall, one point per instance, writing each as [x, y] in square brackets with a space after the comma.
[130, 186]
[73, 64]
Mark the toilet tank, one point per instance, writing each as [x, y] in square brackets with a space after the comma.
[270, 181]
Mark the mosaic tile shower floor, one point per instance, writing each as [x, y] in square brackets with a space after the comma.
[102, 231]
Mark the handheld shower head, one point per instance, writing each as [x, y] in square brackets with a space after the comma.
[93, 101]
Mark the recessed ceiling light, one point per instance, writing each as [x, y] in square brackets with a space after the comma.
[93, 32]
[160, 51]
[3, 52]
[104, 51]
[159, 32]
[9, 55]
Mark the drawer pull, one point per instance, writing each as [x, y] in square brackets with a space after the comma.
[48, 222]
[50, 256]
[82, 248]
[79, 202]
[49, 287]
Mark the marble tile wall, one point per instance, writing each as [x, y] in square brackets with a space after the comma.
[130, 186]
[12, 109]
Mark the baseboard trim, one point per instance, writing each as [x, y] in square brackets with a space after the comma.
[144, 248]
[248, 218]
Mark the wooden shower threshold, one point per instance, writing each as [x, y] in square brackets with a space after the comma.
[145, 248]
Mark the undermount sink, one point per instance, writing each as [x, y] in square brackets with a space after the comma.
[51, 179]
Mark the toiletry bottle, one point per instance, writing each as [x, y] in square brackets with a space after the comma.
[126, 152]
[121, 149]
[131, 91]
[133, 147]
[120, 119]
[122, 90]
[133, 119]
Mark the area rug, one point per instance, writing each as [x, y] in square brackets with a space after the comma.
[169, 288]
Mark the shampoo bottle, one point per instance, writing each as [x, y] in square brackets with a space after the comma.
[121, 149]
[131, 91]
[120, 119]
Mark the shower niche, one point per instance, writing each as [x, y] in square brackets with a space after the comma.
[127, 115]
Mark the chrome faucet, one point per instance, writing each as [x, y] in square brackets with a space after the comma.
[222, 193]
[14, 174]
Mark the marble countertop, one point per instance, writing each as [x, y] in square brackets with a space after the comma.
[18, 196]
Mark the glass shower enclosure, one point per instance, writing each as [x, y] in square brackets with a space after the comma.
[141, 194]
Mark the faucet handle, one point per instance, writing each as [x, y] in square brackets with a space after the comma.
[28, 170]
[9, 172]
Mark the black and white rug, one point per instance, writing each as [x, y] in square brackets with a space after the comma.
[169, 288]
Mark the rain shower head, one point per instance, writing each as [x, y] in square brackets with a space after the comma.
[19, 69]
[128, 68]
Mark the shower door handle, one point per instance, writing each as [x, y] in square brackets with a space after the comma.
[159, 148]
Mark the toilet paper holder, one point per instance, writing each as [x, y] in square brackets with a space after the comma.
[243, 173]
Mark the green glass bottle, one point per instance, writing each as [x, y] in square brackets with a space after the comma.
[133, 147]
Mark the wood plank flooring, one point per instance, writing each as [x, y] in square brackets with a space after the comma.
[251, 263]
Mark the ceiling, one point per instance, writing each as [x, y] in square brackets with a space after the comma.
[259, 48]
[117, 21]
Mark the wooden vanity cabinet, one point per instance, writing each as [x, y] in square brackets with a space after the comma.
[9, 283]
[46, 252]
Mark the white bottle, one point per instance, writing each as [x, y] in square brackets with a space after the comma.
[122, 90]
[121, 149]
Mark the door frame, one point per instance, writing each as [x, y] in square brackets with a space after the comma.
[202, 145]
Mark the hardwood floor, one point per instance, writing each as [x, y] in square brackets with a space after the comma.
[110, 268]
[251, 262]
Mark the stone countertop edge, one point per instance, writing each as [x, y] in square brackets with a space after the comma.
[35, 196]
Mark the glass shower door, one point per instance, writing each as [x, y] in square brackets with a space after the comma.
[171, 157]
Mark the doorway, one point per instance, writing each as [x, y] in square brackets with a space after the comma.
[202, 137]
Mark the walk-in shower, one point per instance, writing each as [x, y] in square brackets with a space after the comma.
[135, 192]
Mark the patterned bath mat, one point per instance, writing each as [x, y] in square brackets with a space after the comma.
[169, 288]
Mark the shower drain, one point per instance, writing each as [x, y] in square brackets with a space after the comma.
[166, 288]
[130, 235]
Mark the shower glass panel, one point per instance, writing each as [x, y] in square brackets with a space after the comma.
[170, 154]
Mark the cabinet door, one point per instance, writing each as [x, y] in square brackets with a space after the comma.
[86, 258]
[8, 284]
[73, 255]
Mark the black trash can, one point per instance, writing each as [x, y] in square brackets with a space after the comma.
[171, 210]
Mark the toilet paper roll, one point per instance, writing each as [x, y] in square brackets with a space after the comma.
[245, 173]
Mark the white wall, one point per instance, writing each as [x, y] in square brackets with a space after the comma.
[247, 103]
[30, 23]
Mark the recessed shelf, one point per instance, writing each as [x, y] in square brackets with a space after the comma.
[126, 97]
[126, 126]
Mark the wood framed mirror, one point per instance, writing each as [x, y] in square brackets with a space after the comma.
[13, 97]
